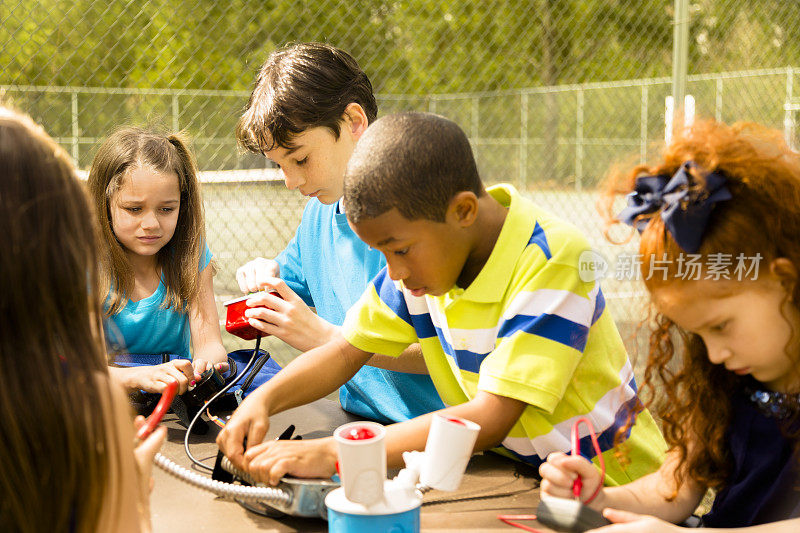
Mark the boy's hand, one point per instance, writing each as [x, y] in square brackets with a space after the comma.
[287, 317]
[270, 461]
[560, 471]
[250, 420]
[252, 275]
[155, 378]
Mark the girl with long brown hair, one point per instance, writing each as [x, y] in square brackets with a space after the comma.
[719, 217]
[66, 446]
[154, 261]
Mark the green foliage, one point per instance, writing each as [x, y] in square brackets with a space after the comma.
[420, 54]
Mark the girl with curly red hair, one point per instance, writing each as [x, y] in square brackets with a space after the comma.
[723, 370]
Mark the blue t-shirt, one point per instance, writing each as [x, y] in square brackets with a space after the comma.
[145, 327]
[329, 267]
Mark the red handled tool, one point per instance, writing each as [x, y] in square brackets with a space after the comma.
[577, 485]
[158, 413]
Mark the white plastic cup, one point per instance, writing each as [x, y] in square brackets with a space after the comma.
[362, 461]
[449, 447]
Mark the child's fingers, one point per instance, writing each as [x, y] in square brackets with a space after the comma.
[251, 275]
[576, 465]
[200, 366]
[185, 369]
[617, 515]
[556, 475]
[170, 373]
[560, 471]
[285, 292]
[257, 432]
[241, 279]
[138, 422]
[264, 314]
[280, 468]
[246, 276]
[146, 450]
[260, 467]
[628, 522]
[254, 451]
[231, 441]
[266, 298]
[264, 327]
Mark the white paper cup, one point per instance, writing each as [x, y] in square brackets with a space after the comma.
[362, 462]
[448, 449]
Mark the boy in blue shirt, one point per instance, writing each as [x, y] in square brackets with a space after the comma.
[310, 105]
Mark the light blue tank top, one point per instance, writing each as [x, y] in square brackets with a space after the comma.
[144, 327]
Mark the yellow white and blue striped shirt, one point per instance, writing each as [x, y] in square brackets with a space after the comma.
[526, 328]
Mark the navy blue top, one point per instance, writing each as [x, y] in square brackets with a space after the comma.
[765, 481]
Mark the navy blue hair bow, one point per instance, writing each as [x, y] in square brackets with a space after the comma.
[685, 214]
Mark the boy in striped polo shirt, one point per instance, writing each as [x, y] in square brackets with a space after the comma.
[488, 284]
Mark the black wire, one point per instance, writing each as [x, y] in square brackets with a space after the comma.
[208, 403]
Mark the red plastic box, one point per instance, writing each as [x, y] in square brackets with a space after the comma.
[235, 321]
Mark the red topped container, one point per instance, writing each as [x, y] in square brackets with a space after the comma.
[235, 321]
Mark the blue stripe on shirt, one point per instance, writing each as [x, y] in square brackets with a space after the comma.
[599, 306]
[538, 238]
[552, 327]
[424, 328]
[605, 439]
[548, 326]
[395, 300]
[391, 295]
[465, 359]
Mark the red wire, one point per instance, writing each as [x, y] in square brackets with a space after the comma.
[577, 486]
[158, 413]
[508, 519]
[576, 450]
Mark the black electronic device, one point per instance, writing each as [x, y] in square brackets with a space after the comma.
[210, 383]
[568, 515]
[186, 405]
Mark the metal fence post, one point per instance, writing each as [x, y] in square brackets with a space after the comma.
[175, 112]
[579, 141]
[680, 58]
[475, 117]
[523, 139]
[76, 132]
[643, 125]
[789, 109]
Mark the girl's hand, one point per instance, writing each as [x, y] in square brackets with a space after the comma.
[627, 522]
[201, 366]
[559, 473]
[252, 275]
[144, 453]
[270, 461]
[155, 378]
[287, 317]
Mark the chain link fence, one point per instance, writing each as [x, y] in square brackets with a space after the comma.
[550, 92]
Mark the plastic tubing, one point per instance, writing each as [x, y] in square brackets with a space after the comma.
[228, 490]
